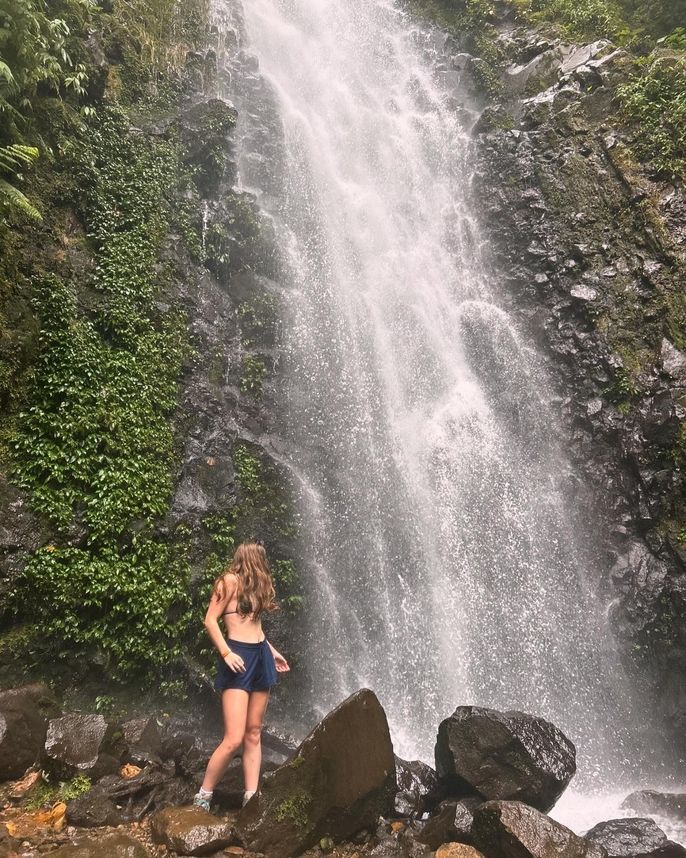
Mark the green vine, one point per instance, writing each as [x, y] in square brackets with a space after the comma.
[95, 447]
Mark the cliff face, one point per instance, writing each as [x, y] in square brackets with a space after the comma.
[137, 345]
[589, 240]
[590, 245]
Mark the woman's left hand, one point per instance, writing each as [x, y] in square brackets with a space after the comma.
[280, 662]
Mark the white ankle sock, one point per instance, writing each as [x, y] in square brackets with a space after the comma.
[247, 795]
[205, 793]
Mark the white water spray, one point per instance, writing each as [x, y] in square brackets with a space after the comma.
[440, 562]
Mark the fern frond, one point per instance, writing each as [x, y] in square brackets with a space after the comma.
[17, 155]
[11, 196]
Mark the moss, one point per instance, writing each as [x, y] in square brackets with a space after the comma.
[297, 762]
[253, 372]
[258, 319]
[295, 808]
[46, 793]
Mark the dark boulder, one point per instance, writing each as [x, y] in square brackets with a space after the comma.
[113, 845]
[634, 838]
[143, 740]
[191, 831]
[417, 784]
[452, 822]
[649, 801]
[504, 755]
[82, 744]
[97, 807]
[24, 714]
[114, 800]
[510, 829]
[340, 780]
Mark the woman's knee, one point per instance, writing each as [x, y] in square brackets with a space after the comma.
[253, 734]
[230, 744]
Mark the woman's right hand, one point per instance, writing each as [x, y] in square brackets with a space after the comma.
[234, 662]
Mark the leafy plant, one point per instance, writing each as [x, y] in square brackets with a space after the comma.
[655, 101]
[12, 159]
[47, 792]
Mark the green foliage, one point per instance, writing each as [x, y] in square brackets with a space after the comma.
[471, 22]
[655, 101]
[248, 472]
[590, 19]
[258, 319]
[35, 50]
[46, 793]
[105, 704]
[12, 159]
[295, 808]
[128, 606]
[252, 375]
[95, 447]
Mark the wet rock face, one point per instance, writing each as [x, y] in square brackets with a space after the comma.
[24, 714]
[589, 248]
[510, 829]
[634, 838]
[143, 740]
[669, 804]
[82, 744]
[191, 831]
[417, 783]
[504, 755]
[452, 821]
[340, 780]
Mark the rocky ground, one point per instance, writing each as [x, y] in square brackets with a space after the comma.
[117, 789]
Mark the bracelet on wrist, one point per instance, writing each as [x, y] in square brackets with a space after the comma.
[225, 653]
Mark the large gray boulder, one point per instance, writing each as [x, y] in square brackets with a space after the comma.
[24, 714]
[340, 780]
[634, 838]
[510, 829]
[504, 755]
[82, 744]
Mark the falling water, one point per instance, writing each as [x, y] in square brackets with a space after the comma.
[440, 559]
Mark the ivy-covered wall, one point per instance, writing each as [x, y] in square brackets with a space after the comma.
[121, 233]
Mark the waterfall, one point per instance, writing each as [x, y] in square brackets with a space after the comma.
[440, 556]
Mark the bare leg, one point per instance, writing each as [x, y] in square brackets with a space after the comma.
[234, 708]
[252, 742]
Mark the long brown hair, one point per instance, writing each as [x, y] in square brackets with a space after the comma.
[255, 587]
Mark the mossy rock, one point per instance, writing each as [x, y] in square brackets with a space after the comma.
[340, 780]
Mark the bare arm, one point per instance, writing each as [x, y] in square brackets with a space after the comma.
[280, 661]
[216, 608]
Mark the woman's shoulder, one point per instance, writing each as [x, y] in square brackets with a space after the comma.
[230, 580]
[227, 585]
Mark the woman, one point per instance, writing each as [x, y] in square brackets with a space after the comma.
[248, 667]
